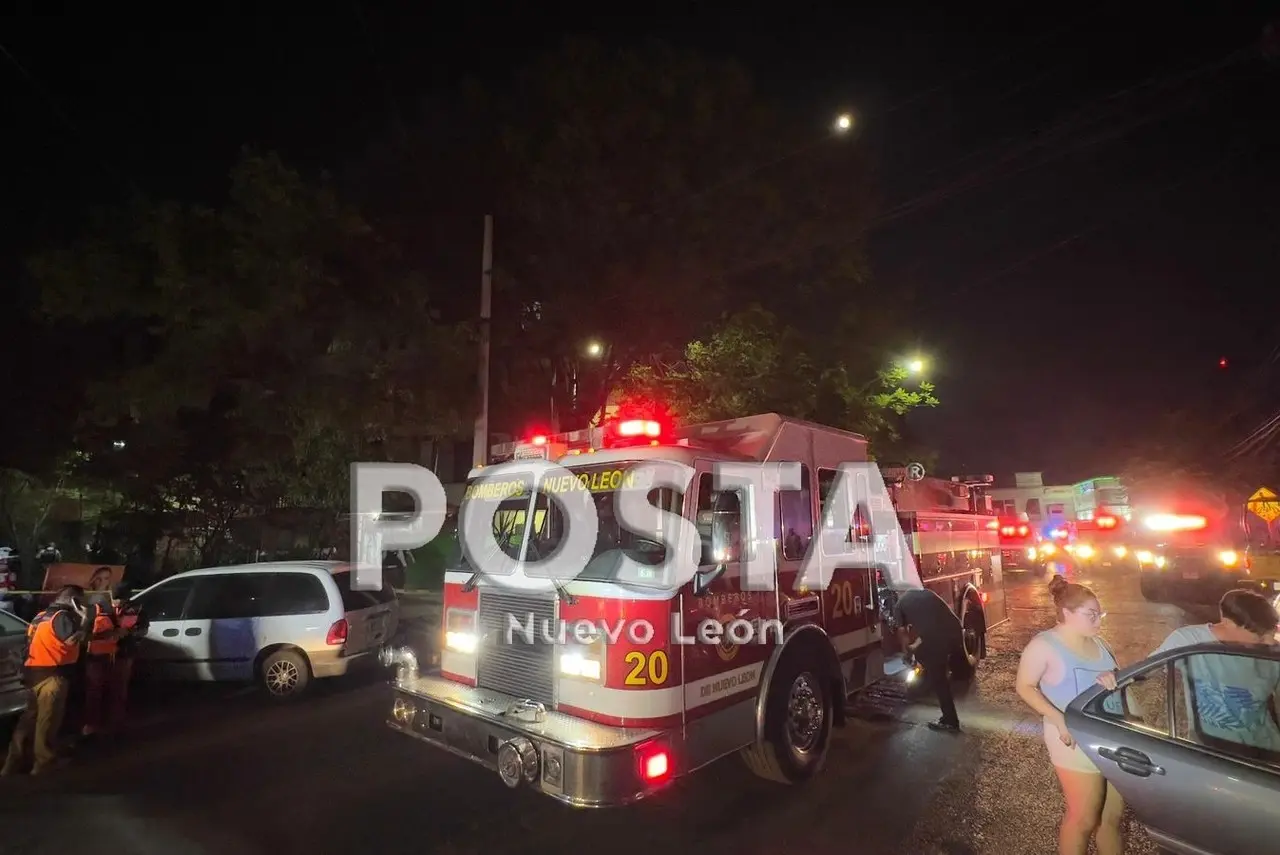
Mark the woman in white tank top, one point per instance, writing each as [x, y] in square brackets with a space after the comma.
[1057, 665]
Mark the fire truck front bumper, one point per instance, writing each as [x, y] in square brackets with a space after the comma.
[572, 760]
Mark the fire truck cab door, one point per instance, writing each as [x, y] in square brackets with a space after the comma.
[715, 674]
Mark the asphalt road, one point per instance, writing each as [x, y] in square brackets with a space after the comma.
[220, 771]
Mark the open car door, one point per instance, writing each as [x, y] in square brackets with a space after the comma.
[1194, 746]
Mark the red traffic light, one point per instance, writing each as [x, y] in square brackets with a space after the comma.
[1222, 363]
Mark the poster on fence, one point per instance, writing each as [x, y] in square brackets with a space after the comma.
[96, 579]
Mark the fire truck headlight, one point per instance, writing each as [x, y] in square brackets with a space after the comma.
[1145, 557]
[576, 664]
[1084, 551]
[460, 631]
[1229, 558]
[1048, 549]
[1160, 561]
[1119, 552]
[1031, 552]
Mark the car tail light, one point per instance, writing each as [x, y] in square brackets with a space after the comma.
[655, 763]
[337, 633]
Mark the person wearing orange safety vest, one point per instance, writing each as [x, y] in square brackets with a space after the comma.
[109, 664]
[54, 640]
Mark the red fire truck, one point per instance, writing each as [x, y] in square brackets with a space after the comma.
[607, 718]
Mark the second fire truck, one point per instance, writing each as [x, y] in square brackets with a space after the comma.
[599, 718]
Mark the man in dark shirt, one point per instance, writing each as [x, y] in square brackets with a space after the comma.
[939, 636]
[54, 643]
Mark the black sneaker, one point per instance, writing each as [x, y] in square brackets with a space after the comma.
[945, 726]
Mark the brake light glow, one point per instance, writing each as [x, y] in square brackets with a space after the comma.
[337, 633]
[1175, 522]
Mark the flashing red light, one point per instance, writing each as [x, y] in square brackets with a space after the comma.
[539, 440]
[1176, 522]
[1222, 363]
[655, 765]
[1107, 521]
[1023, 531]
[337, 633]
[640, 427]
[993, 525]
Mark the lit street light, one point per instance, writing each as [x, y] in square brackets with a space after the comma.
[916, 366]
[595, 349]
[844, 123]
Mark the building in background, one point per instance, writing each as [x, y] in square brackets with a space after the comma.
[1043, 504]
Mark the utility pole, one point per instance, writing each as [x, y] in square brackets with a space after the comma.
[480, 444]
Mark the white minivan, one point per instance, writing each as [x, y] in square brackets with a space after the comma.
[280, 624]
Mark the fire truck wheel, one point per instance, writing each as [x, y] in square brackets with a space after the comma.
[797, 723]
[284, 674]
[965, 663]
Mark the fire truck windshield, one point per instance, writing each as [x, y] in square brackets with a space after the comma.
[531, 525]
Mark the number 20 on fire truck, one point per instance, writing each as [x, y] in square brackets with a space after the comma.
[600, 690]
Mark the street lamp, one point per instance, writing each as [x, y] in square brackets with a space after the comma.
[843, 123]
[595, 349]
[916, 366]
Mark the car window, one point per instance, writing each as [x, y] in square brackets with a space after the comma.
[295, 594]
[10, 625]
[1226, 702]
[1141, 704]
[238, 595]
[354, 601]
[165, 601]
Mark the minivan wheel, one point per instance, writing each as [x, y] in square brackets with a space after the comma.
[284, 674]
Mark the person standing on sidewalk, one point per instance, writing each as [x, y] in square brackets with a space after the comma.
[939, 637]
[54, 641]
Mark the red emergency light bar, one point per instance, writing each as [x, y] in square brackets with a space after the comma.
[1014, 531]
[1175, 522]
[635, 428]
[1106, 521]
[538, 440]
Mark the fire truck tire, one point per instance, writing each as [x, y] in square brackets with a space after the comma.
[965, 663]
[798, 718]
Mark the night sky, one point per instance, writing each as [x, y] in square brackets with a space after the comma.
[1084, 201]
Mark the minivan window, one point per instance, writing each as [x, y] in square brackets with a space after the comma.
[295, 594]
[354, 601]
[165, 601]
[239, 595]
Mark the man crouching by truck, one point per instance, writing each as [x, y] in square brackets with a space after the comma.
[54, 640]
[939, 636]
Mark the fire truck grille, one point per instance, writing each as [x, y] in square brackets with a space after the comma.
[507, 661]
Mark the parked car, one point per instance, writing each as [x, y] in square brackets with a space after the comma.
[13, 645]
[280, 624]
[1196, 752]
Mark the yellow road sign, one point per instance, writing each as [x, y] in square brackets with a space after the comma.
[1266, 504]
